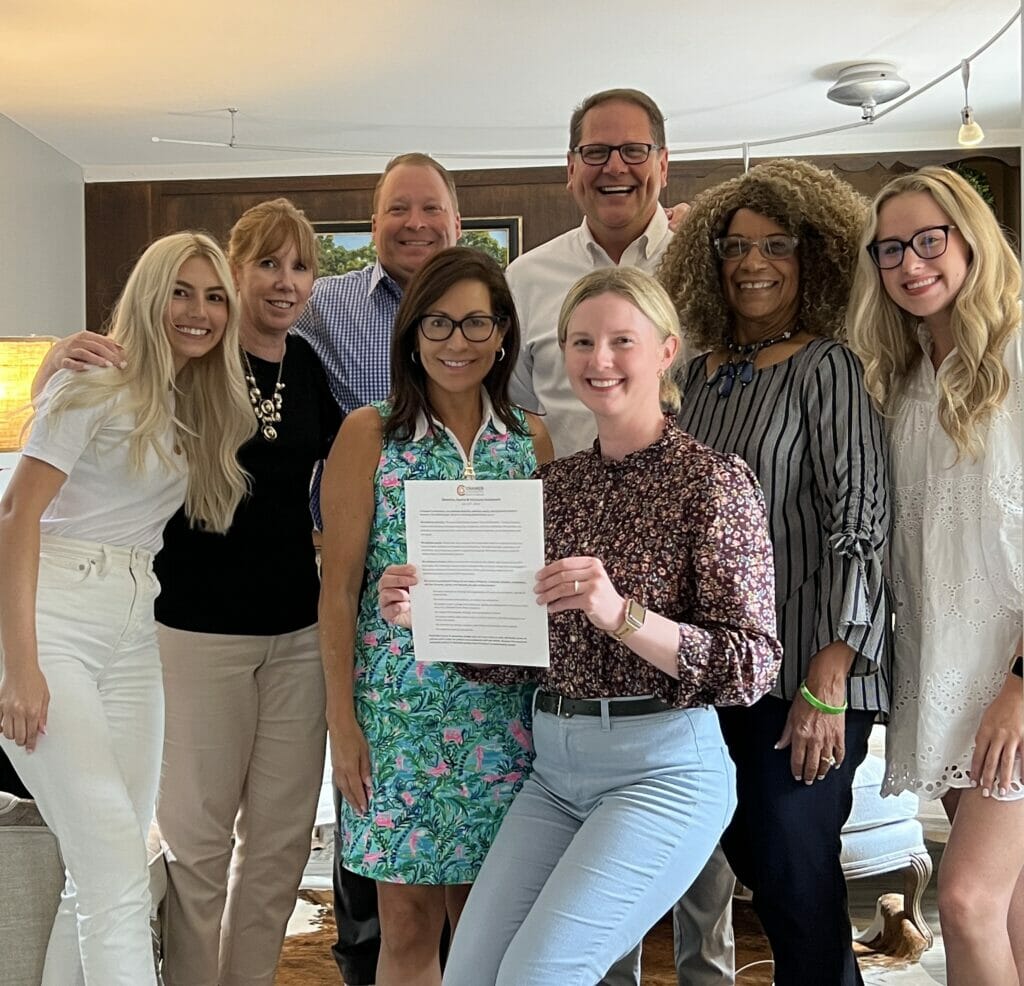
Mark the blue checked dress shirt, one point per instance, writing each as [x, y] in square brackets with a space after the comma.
[348, 322]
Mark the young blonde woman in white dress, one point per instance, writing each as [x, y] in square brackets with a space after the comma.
[935, 316]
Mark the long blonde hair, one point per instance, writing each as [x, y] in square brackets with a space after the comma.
[985, 316]
[212, 416]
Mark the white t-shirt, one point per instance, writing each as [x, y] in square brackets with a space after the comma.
[104, 499]
[540, 280]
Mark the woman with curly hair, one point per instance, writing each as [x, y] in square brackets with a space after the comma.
[935, 315]
[760, 273]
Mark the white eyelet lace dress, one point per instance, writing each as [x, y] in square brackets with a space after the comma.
[957, 578]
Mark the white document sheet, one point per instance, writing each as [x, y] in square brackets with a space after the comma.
[477, 546]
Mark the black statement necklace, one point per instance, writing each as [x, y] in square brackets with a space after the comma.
[742, 369]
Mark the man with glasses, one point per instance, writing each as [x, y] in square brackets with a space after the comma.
[617, 168]
[618, 165]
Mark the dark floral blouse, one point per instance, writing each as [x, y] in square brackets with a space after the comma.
[681, 529]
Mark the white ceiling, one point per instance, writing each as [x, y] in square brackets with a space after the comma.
[478, 83]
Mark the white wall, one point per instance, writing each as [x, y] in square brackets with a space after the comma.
[42, 237]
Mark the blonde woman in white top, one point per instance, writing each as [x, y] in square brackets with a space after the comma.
[935, 317]
[111, 456]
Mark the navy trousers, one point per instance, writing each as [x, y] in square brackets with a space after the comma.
[784, 844]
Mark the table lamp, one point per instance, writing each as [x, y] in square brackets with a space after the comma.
[20, 357]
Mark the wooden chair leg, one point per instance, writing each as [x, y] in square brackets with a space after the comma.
[915, 880]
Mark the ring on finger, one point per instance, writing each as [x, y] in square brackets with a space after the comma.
[831, 761]
[575, 586]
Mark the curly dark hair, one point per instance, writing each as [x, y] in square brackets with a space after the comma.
[822, 210]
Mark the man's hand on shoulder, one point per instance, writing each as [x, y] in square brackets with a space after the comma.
[676, 214]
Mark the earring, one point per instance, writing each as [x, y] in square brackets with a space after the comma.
[661, 374]
[501, 354]
[415, 356]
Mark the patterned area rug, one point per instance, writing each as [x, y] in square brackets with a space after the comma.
[306, 959]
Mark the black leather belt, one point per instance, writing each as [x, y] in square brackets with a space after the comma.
[559, 705]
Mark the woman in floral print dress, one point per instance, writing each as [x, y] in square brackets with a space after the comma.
[427, 761]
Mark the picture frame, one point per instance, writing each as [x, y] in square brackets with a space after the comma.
[346, 245]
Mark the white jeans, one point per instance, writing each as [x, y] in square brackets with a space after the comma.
[94, 774]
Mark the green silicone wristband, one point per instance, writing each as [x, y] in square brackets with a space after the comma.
[816, 703]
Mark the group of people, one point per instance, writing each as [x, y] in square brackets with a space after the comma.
[782, 495]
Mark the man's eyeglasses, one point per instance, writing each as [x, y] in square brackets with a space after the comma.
[926, 243]
[475, 328]
[630, 153]
[778, 246]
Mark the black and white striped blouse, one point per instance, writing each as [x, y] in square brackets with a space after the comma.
[808, 430]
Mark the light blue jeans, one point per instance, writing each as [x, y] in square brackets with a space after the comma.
[618, 817]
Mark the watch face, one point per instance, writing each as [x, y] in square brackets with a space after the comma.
[635, 614]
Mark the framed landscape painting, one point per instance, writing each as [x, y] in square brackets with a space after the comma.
[345, 246]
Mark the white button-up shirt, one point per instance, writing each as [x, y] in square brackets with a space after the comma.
[540, 280]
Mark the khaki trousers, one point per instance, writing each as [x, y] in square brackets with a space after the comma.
[243, 761]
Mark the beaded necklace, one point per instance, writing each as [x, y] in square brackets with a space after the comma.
[268, 409]
[743, 369]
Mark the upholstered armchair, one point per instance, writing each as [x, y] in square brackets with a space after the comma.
[883, 835]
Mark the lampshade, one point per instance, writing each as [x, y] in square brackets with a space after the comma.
[20, 357]
[970, 132]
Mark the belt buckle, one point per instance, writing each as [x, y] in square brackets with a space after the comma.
[558, 707]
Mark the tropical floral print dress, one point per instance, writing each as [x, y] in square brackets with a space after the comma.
[447, 754]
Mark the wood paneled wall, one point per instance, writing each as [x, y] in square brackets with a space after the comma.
[121, 218]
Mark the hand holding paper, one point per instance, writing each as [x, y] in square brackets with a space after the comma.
[393, 594]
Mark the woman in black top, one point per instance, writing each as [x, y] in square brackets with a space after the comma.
[245, 739]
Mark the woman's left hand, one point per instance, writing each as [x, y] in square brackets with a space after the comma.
[817, 741]
[581, 583]
[1000, 739]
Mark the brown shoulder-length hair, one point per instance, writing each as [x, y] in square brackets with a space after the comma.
[824, 212]
[409, 395]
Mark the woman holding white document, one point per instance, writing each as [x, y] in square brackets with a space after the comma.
[427, 761]
[661, 603]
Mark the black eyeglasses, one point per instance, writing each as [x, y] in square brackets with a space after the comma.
[630, 153]
[926, 243]
[778, 246]
[475, 328]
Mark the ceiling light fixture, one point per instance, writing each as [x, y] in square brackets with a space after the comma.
[969, 133]
[866, 84]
